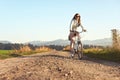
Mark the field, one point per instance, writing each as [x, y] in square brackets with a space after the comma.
[97, 53]
[22, 52]
[5, 53]
[104, 54]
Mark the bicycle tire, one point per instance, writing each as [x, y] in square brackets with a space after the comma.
[80, 51]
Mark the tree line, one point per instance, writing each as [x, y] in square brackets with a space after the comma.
[17, 46]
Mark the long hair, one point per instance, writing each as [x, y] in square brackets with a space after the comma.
[76, 16]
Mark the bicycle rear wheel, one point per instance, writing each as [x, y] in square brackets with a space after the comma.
[80, 51]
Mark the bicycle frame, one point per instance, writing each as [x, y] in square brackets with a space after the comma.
[77, 46]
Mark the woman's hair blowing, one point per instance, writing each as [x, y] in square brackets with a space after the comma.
[77, 15]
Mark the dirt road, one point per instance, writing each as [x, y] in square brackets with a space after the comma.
[57, 66]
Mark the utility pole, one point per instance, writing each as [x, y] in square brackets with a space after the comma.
[115, 39]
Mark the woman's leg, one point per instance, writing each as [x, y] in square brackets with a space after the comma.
[71, 43]
[78, 35]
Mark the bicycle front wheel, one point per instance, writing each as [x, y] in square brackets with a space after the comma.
[80, 51]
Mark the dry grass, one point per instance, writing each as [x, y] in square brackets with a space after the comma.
[67, 48]
[105, 54]
[27, 49]
[24, 50]
[42, 49]
[93, 50]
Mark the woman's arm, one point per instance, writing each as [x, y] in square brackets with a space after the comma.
[71, 24]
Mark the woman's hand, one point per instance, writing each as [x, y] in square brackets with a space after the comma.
[84, 30]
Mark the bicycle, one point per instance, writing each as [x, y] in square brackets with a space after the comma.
[78, 47]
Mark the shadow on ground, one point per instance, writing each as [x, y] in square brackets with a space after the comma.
[15, 55]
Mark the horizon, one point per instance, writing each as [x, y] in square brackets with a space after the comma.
[49, 41]
[34, 20]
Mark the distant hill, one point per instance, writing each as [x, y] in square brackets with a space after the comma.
[5, 42]
[55, 42]
[99, 42]
[61, 42]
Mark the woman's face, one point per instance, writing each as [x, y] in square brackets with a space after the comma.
[77, 16]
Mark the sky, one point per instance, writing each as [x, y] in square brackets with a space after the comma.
[46, 20]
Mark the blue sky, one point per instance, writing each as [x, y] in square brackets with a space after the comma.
[45, 20]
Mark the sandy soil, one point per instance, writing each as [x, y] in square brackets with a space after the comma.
[57, 65]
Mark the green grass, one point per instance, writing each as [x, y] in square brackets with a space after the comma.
[104, 54]
[5, 51]
[11, 53]
[5, 54]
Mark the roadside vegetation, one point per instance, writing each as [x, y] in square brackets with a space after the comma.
[93, 52]
[5, 53]
[103, 53]
[24, 50]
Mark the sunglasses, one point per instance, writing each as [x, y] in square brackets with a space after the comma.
[77, 16]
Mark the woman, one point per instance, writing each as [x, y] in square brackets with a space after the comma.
[75, 23]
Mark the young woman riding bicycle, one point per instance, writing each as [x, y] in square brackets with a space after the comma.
[75, 23]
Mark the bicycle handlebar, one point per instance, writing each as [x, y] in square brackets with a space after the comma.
[83, 31]
[80, 31]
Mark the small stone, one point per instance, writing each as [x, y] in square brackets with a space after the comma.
[59, 69]
[66, 75]
[71, 72]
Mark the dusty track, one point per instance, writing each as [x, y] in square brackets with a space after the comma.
[57, 66]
